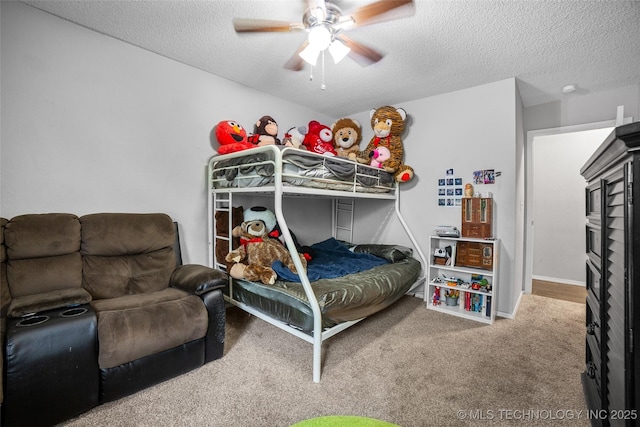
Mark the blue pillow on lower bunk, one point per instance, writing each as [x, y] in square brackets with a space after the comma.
[330, 259]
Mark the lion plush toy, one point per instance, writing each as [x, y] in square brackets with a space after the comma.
[388, 124]
[347, 134]
[257, 251]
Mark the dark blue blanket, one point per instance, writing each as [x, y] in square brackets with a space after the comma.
[330, 259]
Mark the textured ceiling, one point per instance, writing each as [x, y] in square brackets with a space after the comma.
[445, 46]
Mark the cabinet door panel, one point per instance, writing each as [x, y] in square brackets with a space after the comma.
[593, 280]
[593, 198]
[594, 243]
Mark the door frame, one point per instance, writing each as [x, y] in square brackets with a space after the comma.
[528, 219]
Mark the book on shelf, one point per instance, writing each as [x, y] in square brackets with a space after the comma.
[477, 303]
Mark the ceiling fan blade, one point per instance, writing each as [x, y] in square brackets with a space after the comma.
[244, 25]
[373, 13]
[296, 63]
[360, 53]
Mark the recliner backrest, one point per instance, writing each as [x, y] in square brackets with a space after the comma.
[5, 295]
[43, 253]
[126, 254]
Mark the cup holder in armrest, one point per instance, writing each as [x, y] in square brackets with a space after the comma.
[33, 320]
[74, 311]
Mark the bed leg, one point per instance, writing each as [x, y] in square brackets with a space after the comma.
[317, 359]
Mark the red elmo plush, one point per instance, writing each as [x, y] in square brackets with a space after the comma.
[232, 137]
[319, 139]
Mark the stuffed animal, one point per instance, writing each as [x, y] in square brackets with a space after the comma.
[294, 137]
[257, 251]
[379, 155]
[388, 124]
[232, 137]
[265, 132]
[347, 134]
[319, 139]
[305, 251]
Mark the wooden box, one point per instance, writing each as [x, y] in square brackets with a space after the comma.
[474, 255]
[477, 217]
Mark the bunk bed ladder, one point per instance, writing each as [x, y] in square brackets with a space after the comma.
[342, 223]
[220, 202]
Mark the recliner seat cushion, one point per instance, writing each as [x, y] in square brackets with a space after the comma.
[135, 326]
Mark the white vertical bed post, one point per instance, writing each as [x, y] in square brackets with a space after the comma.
[313, 302]
[409, 233]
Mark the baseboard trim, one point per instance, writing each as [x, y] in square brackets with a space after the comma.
[557, 280]
[511, 315]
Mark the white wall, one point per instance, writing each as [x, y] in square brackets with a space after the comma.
[466, 130]
[91, 124]
[582, 107]
[558, 198]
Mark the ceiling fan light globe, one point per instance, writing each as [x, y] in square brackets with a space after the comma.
[310, 54]
[320, 37]
[338, 51]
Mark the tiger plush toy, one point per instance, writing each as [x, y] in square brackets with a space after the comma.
[388, 124]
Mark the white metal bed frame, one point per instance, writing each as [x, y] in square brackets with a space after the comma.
[221, 199]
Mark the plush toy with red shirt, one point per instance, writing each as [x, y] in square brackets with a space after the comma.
[388, 125]
[252, 260]
[319, 139]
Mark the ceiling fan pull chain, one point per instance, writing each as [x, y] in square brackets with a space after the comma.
[311, 73]
[322, 85]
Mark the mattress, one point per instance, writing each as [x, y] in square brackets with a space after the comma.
[341, 299]
[300, 168]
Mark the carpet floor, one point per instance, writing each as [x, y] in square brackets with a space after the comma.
[405, 365]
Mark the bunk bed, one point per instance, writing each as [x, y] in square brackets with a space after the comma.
[312, 310]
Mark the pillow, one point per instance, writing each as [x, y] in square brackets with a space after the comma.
[392, 253]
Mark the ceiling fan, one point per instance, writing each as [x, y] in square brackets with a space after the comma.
[325, 25]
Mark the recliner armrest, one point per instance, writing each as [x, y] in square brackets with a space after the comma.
[37, 303]
[198, 279]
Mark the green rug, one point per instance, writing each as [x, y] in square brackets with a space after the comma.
[343, 421]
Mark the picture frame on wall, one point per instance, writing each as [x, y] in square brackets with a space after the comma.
[450, 189]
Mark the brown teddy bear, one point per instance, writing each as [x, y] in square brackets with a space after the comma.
[388, 124]
[347, 134]
[257, 251]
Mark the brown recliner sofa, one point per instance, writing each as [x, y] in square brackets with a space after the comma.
[98, 307]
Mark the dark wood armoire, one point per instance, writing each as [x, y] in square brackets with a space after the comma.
[612, 371]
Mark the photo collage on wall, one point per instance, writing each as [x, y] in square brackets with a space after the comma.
[450, 190]
[487, 176]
